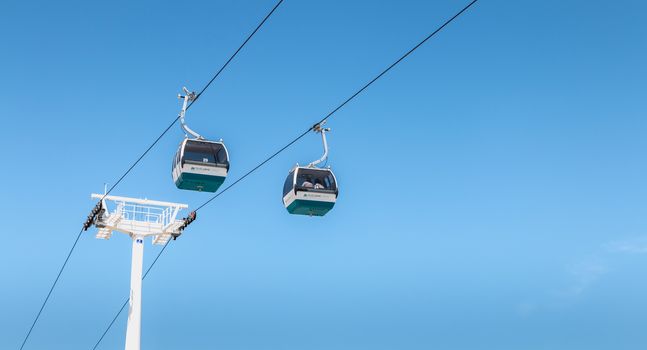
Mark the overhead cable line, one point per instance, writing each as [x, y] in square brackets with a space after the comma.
[133, 165]
[330, 114]
[51, 289]
[305, 133]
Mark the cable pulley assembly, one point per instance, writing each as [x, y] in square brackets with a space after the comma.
[96, 211]
[187, 221]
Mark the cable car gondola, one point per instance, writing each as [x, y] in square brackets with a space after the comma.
[199, 164]
[311, 190]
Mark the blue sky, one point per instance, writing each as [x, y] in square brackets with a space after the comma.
[492, 185]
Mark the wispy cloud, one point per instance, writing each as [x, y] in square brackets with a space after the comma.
[585, 274]
[582, 276]
[636, 245]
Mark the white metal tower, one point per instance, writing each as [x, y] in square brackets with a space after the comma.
[139, 218]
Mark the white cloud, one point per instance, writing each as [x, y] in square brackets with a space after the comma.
[629, 246]
[585, 274]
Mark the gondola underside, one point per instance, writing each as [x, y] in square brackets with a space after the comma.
[310, 203]
[199, 182]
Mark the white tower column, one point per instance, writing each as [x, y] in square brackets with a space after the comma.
[139, 219]
[133, 330]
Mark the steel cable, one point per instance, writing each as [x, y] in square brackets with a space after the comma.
[308, 130]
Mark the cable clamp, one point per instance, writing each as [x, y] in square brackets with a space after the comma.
[190, 94]
[319, 127]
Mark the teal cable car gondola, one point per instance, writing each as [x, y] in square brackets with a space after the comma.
[311, 190]
[199, 164]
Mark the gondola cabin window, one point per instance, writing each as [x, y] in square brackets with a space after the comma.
[316, 179]
[288, 185]
[199, 152]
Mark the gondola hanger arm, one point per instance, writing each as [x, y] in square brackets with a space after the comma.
[187, 97]
[320, 129]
